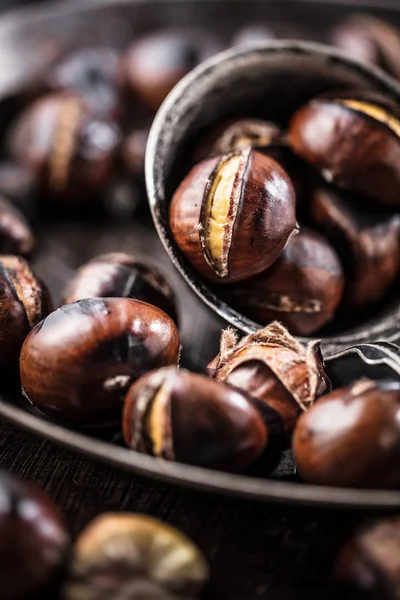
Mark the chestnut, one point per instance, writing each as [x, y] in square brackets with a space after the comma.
[302, 289]
[77, 364]
[125, 555]
[273, 368]
[178, 415]
[120, 275]
[67, 148]
[16, 236]
[155, 63]
[351, 437]
[354, 141]
[233, 214]
[33, 539]
[24, 301]
[369, 561]
[367, 242]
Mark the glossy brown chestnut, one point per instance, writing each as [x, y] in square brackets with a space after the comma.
[24, 301]
[154, 64]
[302, 289]
[351, 437]
[120, 275]
[367, 242]
[232, 215]
[370, 561]
[123, 555]
[77, 364]
[178, 415]
[16, 236]
[272, 367]
[67, 148]
[33, 540]
[354, 141]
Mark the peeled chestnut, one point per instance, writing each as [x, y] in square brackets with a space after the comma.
[232, 215]
[33, 539]
[155, 63]
[178, 415]
[16, 236]
[68, 148]
[370, 560]
[302, 289]
[128, 556]
[77, 364]
[120, 275]
[367, 242]
[354, 141]
[276, 370]
[24, 301]
[351, 437]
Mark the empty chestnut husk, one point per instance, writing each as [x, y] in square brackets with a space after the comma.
[123, 555]
[351, 437]
[178, 415]
[16, 236]
[77, 364]
[119, 275]
[354, 141]
[302, 289]
[33, 539]
[232, 215]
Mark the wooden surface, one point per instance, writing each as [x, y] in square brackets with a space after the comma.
[255, 550]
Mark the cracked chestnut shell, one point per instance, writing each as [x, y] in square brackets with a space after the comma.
[66, 147]
[24, 301]
[232, 215]
[124, 555]
[276, 370]
[351, 437]
[77, 364]
[16, 236]
[302, 289]
[33, 539]
[178, 415]
[367, 242]
[354, 141]
[119, 275]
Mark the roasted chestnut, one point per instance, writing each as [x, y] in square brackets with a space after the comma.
[16, 236]
[33, 540]
[65, 146]
[367, 242]
[354, 141]
[123, 555]
[77, 364]
[351, 437]
[120, 275]
[302, 289]
[153, 64]
[276, 370]
[232, 215]
[24, 301]
[178, 415]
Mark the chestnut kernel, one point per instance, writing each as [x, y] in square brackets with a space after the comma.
[24, 301]
[275, 369]
[178, 415]
[302, 289]
[232, 215]
[33, 539]
[16, 236]
[351, 437]
[368, 244]
[77, 364]
[119, 275]
[123, 555]
[354, 141]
